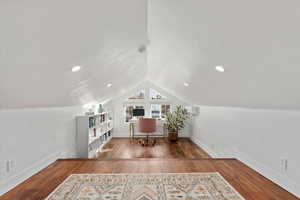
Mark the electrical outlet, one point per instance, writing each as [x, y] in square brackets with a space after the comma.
[11, 166]
[7, 166]
[284, 165]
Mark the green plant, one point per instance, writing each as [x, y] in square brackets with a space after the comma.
[176, 119]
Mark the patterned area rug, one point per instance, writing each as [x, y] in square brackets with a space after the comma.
[204, 186]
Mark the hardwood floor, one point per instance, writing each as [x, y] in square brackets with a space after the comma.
[182, 157]
[122, 148]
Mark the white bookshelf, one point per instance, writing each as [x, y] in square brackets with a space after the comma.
[93, 132]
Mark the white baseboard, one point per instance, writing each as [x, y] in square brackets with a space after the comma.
[68, 154]
[126, 135]
[205, 147]
[278, 178]
[281, 179]
[12, 181]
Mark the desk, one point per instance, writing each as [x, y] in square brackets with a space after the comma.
[161, 129]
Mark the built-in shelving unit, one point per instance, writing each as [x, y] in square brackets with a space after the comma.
[93, 132]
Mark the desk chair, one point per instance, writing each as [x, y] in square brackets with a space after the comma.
[148, 127]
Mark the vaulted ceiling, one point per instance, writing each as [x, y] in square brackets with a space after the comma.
[257, 42]
[40, 41]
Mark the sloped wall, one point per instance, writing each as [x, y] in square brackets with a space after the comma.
[260, 138]
[34, 138]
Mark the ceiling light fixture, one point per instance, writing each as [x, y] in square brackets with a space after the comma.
[109, 85]
[220, 68]
[76, 68]
[186, 84]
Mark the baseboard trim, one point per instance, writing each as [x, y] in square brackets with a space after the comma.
[278, 178]
[281, 180]
[12, 181]
[126, 135]
[136, 136]
[205, 147]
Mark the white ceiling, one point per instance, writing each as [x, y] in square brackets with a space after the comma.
[40, 41]
[258, 43]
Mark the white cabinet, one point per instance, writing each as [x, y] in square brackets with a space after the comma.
[93, 132]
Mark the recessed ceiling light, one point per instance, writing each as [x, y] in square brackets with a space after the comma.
[76, 68]
[186, 84]
[220, 68]
[109, 85]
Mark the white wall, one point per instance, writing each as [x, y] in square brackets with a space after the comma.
[259, 138]
[34, 138]
[121, 128]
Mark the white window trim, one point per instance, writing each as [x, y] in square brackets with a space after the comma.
[146, 103]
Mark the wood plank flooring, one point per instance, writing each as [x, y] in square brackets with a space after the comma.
[250, 184]
[123, 148]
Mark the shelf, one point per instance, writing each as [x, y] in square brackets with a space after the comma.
[94, 115]
[100, 147]
[86, 144]
[92, 139]
[107, 130]
[103, 113]
[101, 124]
[98, 126]
[104, 143]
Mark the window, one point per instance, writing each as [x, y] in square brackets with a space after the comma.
[129, 111]
[155, 110]
[153, 102]
[164, 110]
[155, 95]
[159, 111]
[140, 95]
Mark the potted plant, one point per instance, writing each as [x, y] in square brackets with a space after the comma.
[176, 122]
